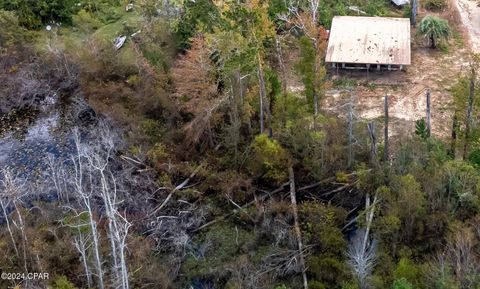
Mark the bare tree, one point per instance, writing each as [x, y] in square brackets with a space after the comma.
[351, 119]
[297, 226]
[96, 158]
[362, 251]
[462, 250]
[261, 82]
[471, 98]
[6, 186]
[82, 243]
[83, 189]
[13, 190]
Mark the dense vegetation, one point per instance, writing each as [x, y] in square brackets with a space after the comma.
[200, 146]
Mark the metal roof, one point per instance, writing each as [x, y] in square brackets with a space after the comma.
[369, 40]
[401, 2]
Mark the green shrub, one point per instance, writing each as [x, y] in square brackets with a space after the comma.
[401, 284]
[271, 160]
[34, 14]
[62, 283]
[10, 33]
[435, 4]
[85, 21]
[158, 153]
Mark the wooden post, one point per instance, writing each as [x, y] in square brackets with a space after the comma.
[293, 199]
[429, 129]
[373, 141]
[453, 144]
[386, 156]
[413, 18]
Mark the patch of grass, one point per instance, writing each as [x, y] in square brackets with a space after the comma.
[344, 83]
[370, 85]
[443, 47]
[125, 25]
[458, 39]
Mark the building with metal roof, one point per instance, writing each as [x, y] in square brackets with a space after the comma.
[366, 42]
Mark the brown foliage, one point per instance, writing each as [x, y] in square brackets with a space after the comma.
[196, 92]
[195, 85]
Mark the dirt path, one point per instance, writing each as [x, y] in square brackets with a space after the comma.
[430, 69]
[470, 18]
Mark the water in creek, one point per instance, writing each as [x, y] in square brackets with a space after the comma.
[29, 138]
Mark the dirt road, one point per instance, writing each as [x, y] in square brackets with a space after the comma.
[470, 17]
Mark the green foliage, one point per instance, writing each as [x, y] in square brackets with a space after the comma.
[350, 286]
[85, 21]
[376, 7]
[62, 283]
[271, 160]
[283, 286]
[201, 15]
[320, 226]
[33, 14]
[11, 33]
[158, 154]
[434, 29]
[106, 11]
[435, 4]
[401, 284]
[461, 181]
[421, 128]
[153, 129]
[407, 11]
[408, 270]
[316, 285]
[306, 66]
[226, 243]
[329, 9]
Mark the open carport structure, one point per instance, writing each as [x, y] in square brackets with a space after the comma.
[357, 42]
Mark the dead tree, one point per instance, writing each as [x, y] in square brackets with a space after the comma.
[261, 83]
[468, 123]
[362, 251]
[428, 113]
[293, 199]
[6, 186]
[13, 191]
[305, 18]
[97, 157]
[83, 189]
[386, 155]
[351, 118]
[82, 243]
[283, 74]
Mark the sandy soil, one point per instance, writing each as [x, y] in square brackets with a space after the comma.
[430, 69]
[470, 18]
